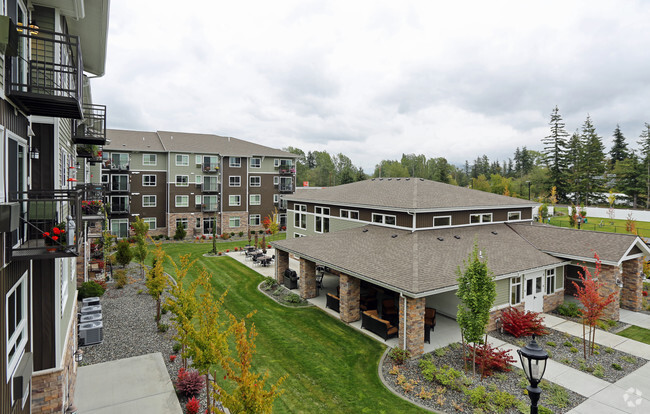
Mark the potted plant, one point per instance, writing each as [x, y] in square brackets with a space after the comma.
[55, 237]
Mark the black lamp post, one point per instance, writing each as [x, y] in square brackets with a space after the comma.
[533, 359]
[528, 189]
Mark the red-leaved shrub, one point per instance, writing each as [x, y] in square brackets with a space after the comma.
[189, 383]
[490, 359]
[645, 293]
[192, 406]
[519, 323]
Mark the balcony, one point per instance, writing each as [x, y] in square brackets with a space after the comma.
[90, 152]
[50, 225]
[210, 186]
[45, 76]
[116, 166]
[286, 169]
[119, 207]
[119, 188]
[211, 168]
[209, 207]
[286, 188]
[92, 128]
[92, 192]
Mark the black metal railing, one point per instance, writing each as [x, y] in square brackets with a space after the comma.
[45, 76]
[92, 128]
[286, 188]
[92, 192]
[286, 169]
[50, 224]
[210, 167]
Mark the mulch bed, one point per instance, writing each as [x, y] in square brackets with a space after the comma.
[449, 400]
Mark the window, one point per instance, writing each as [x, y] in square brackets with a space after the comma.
[182, 160]
[210, 202]
[550, 281]
[256, 181]
[480, 218]
[198, 159]
[255, 199]
[286, 184]
[276, 180]
[514, 215]
[210, 183]
[210, 163]
[442, 221]
[256, 163]
[515, 290]
[151, 221]
[182, 181]
[254, 219]
[120, 183]
[235, 162]
[299, 218]
[198, 223]
[148, 201]
[120, 227]
[197, 199]
[296, 235]
[149, 159]
[16, 323]
[383, 219]
[119, 204]
[148, 180]
[276, 162]
[276, 198]
[235, 181]
[104, 178]
[182, 201]
[234, 222]
[198, 179]
[119, 161]
[182, 222]
[234, 200]
[322, 220]
[350, 214]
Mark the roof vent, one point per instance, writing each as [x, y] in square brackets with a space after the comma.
[441, 239]
[407, 179]
[394, 236]
[457, 237]
[421, 179]
[397, 179]
[389, 179]
[365, 230]
[495, 233]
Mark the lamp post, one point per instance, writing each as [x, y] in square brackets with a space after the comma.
[533, 360]
[528, 189]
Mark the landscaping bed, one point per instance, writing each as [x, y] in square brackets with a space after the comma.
[456, 391]
[281, 294]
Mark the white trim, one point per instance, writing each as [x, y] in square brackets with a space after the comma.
[250, 199]
[383, 219]
[230, 184]
[250, 162]
[259, 219]
[176, 200]
[349, 213]
[250, 183]
[183, 157]
[155, 162]
[442, 226]
[230, 204]
[234, 218]
[155, 221]
[481, 218]
[514, 212]
[23, 326]
[149, 175]
[187, 182]
[230, 162]
[155, 200]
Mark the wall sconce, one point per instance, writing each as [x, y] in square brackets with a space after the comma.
[619, 282]
[78, 355]
[34, 153]
[77, 165]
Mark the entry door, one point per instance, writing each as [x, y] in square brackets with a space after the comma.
[534, 299]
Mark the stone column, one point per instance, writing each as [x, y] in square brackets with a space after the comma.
[350, 298]
[632, 292]
[414, 324]
[608, 276]
[307, 282]
[281, 264]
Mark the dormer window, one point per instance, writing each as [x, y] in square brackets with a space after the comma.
[480, 218]
[442, 221]
[383, 219]
[514, 215]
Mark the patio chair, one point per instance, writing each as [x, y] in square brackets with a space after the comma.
[388, 308]
[430, 318]
[319, 281]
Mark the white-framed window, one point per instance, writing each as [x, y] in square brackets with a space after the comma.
[120, 227]
[299, 216]
[198, 223]
[119, 204]
[198, 180]
[234, 162]
[148, 180]
[234, 181]
[16, 322]
[151, 221]
[198, 159]
[480, 218]
[149, 159]
[276, 198]
[254, 219]
[234, 222]
[384, 219]
[321, 219]
[182, 181]
[255, 199]
[234, 200]
[442, 221]
[182, 222]
[349, 214]
[105, 178]
[276, 162]
[550, 281]
[182, 201]
[276, 180]
[148, 201]
[197, 199]
[119, 182]
[255, 181]
[514, 215]
[182, 160]
[515, 290]
[256, 163]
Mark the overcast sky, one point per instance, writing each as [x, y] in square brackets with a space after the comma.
[375, 79]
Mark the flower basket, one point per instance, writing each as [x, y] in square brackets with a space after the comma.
[55, 237]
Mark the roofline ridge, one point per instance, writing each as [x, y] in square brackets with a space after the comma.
[161, 141]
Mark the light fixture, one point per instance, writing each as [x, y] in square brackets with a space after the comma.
[78, 355]
[77, 165]
[533, 360]
[619, 282]
[34, 153]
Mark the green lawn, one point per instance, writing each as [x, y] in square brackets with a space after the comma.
[637, 333]
[331, 367]
[602, 224]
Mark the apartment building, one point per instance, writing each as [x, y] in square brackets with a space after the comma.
[196, 180]
[46, 112]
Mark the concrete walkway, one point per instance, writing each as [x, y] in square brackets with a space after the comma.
[635, 318]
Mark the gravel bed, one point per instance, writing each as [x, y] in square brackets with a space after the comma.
[281, 294]
[130, 328]
[451, 401]
[568, 350]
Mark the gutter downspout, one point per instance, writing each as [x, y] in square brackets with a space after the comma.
[401, 295]
[413, 224]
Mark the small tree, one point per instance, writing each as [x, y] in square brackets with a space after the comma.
[593, 304]
[274, 226]
[124, 253]
[214, 236]
[183, 303]
[140, 250]
[180, 232]
[543, 212]
[156, 280]
[553, 198]
[476, 291]
[573, 216]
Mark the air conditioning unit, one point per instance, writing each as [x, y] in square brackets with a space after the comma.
[91, 333]
[94, 301]
[90, 318]
[91, 310]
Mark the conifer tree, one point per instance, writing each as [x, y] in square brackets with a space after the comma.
[574, 165]
[644, 144]
[593, 160]
[619, 150]
[555, 155]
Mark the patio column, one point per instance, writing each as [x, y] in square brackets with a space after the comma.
[350, 298]
[632, 293]
[608, 276]
[414, 324]
[281, 264]
[307, 281]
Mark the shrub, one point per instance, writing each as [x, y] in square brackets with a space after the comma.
[599, 371]
[573, 350]
[427, 369]
[124, 254]
[616, 366]
[176, 347]
[551, 343]
[268, 282]
[241, 234]
[172, 358]
[491, 359]
[293, 298]
[90, 289]
[163, 327]
[399, 355]
[571, 310]
[227, 250]
[225, 236]
[189, 383]
[424, 394]
[192, 406]
[180, 232]
[232, 234]
[519, 323]
[102, 283]
[120, 278]
[261, 232]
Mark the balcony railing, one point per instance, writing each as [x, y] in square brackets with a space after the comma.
[45, 76]
[209, 207]
[50, 224]
[281, 204]
[210, 168]
[92, 192]
[210, 186]
[119, 208]
[116, 166]
[92, 128]
[286, 188]
[286, 169]
[119, 188]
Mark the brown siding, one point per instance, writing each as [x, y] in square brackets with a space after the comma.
[159, 191]
[227, 191]
[267, 190]
[190, 191]
[458, 218]
[43, 314]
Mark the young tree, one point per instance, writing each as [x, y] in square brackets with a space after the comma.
[619, 150]
[593, 304]
[124, 254]
[183, 303]
[180, 232]
[140, 251]
[555, 156]
[156, 279]
[476, 291]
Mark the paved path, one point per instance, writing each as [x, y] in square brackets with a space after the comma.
[635, 318]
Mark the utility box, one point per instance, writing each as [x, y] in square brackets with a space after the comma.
[9, 217]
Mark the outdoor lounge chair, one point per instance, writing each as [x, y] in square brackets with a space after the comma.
[381, 327]
[333, 302]
[430, 318]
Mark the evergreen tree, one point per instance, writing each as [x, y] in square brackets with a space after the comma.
[555, 147]
[619, 150]
[574, 166]
[630, 177]
[644, 143]
[593, 160]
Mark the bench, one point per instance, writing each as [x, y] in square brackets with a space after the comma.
[333, 302]
[381, 327]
